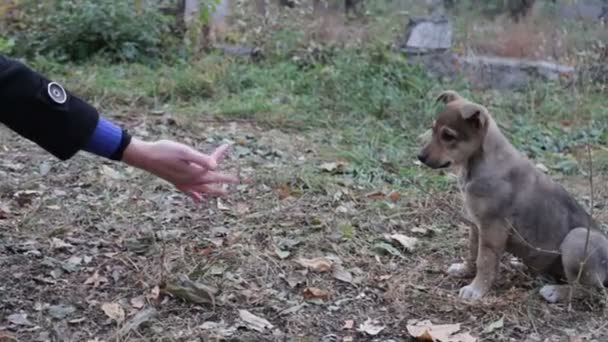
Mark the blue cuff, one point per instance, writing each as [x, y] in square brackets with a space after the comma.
[105, 140]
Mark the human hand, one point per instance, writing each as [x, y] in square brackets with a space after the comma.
[187, 169]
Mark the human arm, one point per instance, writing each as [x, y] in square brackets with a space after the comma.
[63, 124]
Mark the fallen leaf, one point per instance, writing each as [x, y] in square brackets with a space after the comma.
[314, 292]
[60, 244]
[316, 264]
[394, 196]
[348, 324]
[4, 211]
[254, 322]
[427, 331]
[281, 253]
[61, 311]
[333, 167]
[542, 168]
[110, 172]
[137, 320]
[494, 326]
[6, 336]
[375, 194]
[408, 243]
[383, 277]
[343, 275]
[77, 320]
[383, 248]
[154, 293]
[222, 206]
[241, 208]
[421, 231]
[219, 329]
[285, 191]
[138, 302]
[113, 311]
[190, 291]
[72, 264]
[371, 327]
[96, 280]
[292, 309]
[20, 319]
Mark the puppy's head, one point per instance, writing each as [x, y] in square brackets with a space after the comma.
[457, 132]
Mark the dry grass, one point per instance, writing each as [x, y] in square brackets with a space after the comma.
[139, 236]
[531, 38]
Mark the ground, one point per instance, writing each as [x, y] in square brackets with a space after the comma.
[80, 237]
[335, 232]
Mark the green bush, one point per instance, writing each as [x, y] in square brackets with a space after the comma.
[78, 29]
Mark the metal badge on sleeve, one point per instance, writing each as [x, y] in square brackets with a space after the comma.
[57, 93]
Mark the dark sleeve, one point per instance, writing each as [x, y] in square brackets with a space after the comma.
[51, 117]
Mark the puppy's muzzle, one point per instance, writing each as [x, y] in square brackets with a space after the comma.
[424, 159]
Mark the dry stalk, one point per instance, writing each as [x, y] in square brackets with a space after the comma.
[586, 249]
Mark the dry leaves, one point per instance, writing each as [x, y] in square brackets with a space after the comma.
[314, 292]
[371, 327]
[406, 242]
[317, 264]
[114, 311]
[325, 264]
[254, 322]
[19, 319]
[96, 280]
[334, 167]
[427, 331]
[343, 275]
[190, 291]
[394, 196]
[138, 302]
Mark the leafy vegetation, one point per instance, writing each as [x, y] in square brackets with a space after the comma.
[78, 30]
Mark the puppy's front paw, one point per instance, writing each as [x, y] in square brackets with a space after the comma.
[460, 270]
[471, 292]
[552, 293]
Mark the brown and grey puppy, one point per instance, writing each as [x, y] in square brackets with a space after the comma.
[516, 208]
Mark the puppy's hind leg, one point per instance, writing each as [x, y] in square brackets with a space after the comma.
[594, 264]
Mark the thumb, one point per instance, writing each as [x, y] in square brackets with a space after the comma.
[219, 153]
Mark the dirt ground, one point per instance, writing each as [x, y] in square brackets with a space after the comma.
[94, 251]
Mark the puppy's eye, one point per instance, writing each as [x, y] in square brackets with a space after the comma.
[448, 137]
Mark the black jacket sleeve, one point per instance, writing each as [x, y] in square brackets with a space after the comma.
[56, 120]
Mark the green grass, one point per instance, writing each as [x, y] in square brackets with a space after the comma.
[365, 106]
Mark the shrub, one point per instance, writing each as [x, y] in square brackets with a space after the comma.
[79, 29]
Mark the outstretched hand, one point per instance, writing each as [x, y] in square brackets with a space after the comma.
[187, 169]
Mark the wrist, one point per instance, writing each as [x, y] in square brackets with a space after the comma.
[137, 153]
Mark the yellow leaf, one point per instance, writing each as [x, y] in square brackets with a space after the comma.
[114, 311]
[316, 264]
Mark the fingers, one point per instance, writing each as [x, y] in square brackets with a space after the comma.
[197, 192]
[216, 177]
[197, 197]
[205, 161]
[200, 159]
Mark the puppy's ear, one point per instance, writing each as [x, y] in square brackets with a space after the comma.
[448, 96]
[475, 114]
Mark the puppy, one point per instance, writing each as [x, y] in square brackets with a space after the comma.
[515, 207]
